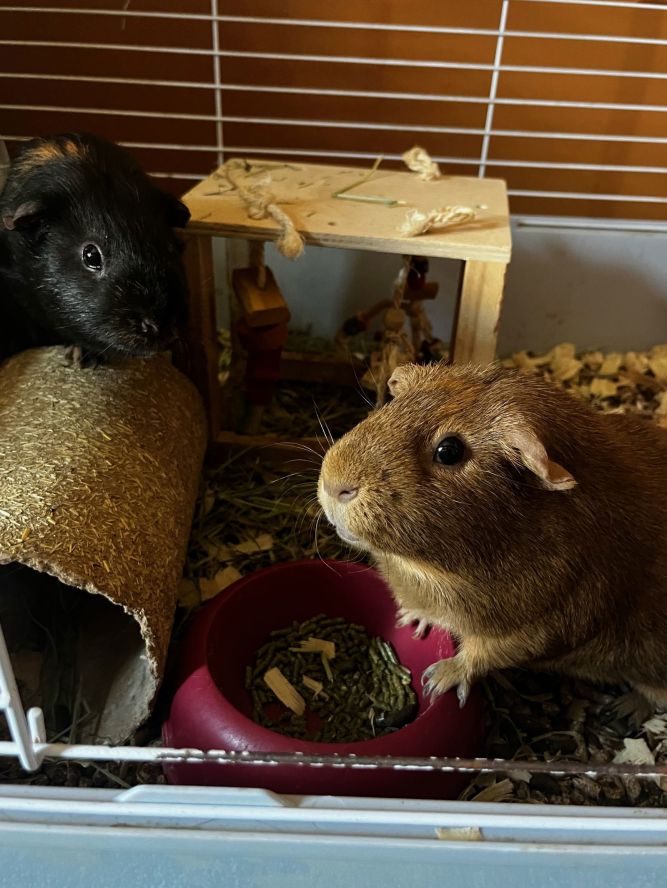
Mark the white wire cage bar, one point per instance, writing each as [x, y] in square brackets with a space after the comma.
[343, 93]
[29, 744]
[338, 59]
[289, 21]
[248, 151]
[486, 132]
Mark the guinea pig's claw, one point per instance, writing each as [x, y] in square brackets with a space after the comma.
[407, 618]
[74, 355]
[79, 359]
[444, 675]
[462, 692]
[421, 629]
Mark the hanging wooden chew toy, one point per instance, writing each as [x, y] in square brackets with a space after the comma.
[261, 331]
[410, 290]
[417, 289]
[359, 323]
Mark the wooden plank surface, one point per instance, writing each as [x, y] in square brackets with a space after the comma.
[305, 192]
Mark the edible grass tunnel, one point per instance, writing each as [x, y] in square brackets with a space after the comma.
[99, 472]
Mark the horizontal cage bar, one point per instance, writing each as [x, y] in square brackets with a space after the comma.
[335, 59]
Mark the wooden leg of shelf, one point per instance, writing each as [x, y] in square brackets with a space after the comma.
[201, 333]
[480, 299]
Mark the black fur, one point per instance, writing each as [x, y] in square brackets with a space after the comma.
[68, 191]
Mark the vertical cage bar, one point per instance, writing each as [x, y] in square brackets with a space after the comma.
[493, 89]
[217, 80]
[25, 732]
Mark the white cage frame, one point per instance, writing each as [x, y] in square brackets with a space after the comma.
[28, 738]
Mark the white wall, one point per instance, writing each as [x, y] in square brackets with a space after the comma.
[593, 287]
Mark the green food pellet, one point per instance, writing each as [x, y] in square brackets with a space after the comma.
[365, 669]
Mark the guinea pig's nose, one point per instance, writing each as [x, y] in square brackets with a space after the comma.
[148, 326]
[344, 493]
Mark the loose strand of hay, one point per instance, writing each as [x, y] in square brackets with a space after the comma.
[419, 161]
[416, 222]
[260, 203]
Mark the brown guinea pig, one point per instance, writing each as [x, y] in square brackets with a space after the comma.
[511, 514]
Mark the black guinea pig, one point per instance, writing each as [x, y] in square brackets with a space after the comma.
[88, 255]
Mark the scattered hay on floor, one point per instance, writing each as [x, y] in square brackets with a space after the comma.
[250, 516]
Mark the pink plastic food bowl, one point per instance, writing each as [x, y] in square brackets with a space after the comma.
[211, 709]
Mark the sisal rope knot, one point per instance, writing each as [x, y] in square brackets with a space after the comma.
[261, 202]
[419, 161]
[416, 222]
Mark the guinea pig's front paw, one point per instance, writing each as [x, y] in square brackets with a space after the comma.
[445, 675]
[407, 618]
[76, 357]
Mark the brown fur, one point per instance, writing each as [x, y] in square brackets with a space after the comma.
[48, 152]
[504, 549]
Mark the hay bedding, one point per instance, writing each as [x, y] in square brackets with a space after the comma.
[249, 516]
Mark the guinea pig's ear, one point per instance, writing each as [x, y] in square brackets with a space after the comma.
[24, 216]
[402, 379]
[534, 457]
[177, 215]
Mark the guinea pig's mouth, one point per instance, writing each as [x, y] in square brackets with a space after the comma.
[141, 351]
[336, 516]
[346, 535]
[146, 348]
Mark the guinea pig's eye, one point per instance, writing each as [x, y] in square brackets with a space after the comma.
[91, 256]
[449, 451]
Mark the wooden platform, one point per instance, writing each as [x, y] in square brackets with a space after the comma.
[305, 191]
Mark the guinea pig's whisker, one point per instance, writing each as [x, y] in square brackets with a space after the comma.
[372, 376]
[291, 475]
[307, 449]
[360, 559]
[299, 446]
[364, 397]
[317, 547]
[326, 431]
[305, 514]
[312, 458]
[105, 350]
[307, 504]
[359, 388]
[311, 526]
